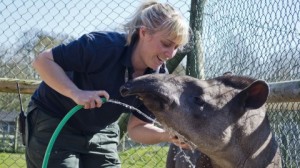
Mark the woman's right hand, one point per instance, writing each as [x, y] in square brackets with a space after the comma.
[89, 99]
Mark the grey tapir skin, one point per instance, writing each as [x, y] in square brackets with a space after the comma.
[225, 118]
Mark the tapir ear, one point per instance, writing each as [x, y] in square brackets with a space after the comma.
[255, 95]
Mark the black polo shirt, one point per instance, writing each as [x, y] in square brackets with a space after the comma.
[95, 61]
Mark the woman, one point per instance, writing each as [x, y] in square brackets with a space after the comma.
[94, 66]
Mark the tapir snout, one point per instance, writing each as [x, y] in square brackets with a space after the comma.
[148, 88]
[151, 89]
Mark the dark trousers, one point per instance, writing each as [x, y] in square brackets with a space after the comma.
[72, 148]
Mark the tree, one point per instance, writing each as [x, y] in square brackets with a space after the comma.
[15, 62]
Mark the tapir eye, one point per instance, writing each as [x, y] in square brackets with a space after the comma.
[199, 101]
[199, 109]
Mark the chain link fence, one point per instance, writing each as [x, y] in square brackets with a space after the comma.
[252, 37]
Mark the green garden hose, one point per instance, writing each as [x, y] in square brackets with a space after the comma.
[57, 131]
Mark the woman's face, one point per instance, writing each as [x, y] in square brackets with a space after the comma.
[156, 48]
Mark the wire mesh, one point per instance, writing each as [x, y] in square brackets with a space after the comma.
[252, 37]
[258, 39]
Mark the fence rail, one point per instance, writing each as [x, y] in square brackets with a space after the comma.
[284, 91]
[251, 37]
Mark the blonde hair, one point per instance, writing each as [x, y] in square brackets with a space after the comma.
[156, 17]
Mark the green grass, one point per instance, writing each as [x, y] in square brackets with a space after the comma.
[139, 157]
[12, 160]
[144, 157]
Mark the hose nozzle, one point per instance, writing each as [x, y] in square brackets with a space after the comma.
[103, 99]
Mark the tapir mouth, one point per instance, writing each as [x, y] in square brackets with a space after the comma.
[146, 94]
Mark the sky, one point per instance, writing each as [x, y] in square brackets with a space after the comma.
[73, 17]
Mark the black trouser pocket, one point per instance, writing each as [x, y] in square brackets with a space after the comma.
[27, 125]
[21, 122]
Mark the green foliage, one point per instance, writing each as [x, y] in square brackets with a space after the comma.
[122, 121]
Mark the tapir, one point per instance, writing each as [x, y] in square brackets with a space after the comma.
[224, 118]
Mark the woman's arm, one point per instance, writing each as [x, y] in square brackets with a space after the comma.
[148, 133]
[56, 78]
[53, 74]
